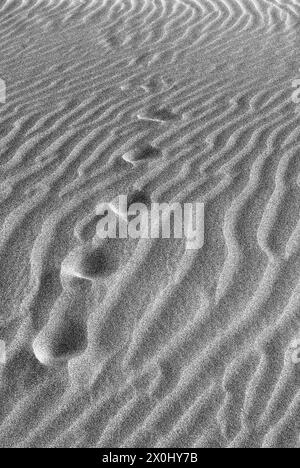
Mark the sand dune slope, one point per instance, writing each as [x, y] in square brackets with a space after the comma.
[139, 343]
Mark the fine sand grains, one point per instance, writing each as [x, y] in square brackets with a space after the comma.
[143, 343]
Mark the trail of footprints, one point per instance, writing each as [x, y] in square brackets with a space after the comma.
[149, 153]
[65, 335]
[220, 29]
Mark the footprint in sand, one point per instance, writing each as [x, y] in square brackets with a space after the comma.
[155, 84]
[159, 114]
[120, 207]
[65, 335]
[88, 262]
[144, 154]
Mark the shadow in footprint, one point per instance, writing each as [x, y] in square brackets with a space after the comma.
[139, 196]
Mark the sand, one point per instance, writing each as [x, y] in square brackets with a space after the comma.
[141, 342]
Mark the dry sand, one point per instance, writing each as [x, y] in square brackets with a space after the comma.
[127, 343]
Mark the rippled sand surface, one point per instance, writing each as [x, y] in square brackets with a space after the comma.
[139, 343]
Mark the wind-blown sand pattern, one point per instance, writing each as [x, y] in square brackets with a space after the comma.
[127, 343]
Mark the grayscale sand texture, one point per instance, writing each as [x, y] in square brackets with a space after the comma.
[143, 343]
